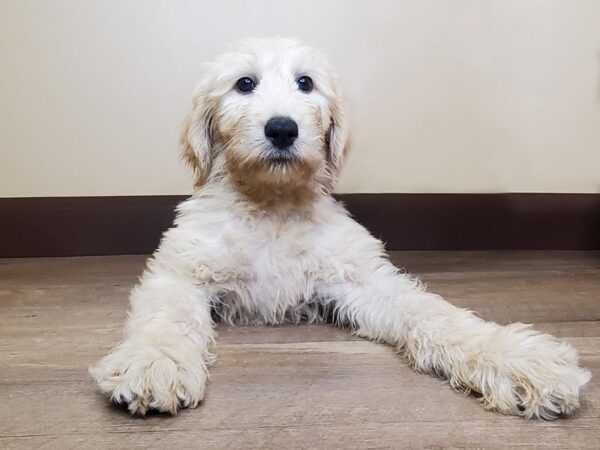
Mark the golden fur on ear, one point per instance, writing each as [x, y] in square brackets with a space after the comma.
[196, 139]
[338, 137]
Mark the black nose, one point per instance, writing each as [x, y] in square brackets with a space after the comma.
[281, 131]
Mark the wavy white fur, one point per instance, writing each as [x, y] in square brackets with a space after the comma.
[265, 243]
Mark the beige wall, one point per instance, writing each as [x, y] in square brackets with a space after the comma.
[446, 96]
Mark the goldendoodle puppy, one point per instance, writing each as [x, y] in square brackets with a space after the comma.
[262, 241]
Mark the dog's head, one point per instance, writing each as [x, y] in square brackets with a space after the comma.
[267, 115]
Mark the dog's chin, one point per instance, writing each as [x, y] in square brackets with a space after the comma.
[275, 175]
[280, 170]
[282, 159]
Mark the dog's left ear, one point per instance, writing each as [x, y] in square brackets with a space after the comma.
[338, 136]
[196, 141]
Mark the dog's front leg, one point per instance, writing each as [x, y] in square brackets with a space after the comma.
[161, 363]
[515, 369]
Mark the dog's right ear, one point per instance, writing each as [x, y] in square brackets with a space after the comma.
[196, 141]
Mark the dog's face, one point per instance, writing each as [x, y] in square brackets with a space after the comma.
[268, 114]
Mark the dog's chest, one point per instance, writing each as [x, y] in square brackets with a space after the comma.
[270, 264]
[281, 257]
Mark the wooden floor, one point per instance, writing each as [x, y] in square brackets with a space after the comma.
[290, 387]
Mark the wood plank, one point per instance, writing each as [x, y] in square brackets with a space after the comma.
[267, 388]
[274, 381]
[512, 287]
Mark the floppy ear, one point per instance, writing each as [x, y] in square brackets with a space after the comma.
[196, 139]
[338, 137]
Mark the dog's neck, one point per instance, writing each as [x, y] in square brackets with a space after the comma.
[295, 194]
[276, 196]
[262, 199]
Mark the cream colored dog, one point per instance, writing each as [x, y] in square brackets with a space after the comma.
[262, 241]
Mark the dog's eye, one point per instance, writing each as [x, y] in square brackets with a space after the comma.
[305, 84]
[245, 85]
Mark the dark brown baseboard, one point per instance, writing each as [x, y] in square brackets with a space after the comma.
[74, 226]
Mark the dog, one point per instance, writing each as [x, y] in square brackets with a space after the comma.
[262, 241]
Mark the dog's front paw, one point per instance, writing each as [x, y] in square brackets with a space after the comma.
[529, 374]
[152, 377]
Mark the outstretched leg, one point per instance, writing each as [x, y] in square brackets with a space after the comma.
[515, 369]
[162, 361]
